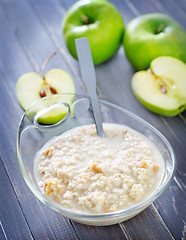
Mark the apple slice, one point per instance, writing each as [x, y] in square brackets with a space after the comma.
[162, 88]
[31, 87]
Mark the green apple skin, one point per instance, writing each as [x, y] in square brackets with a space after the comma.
[157, 109]
[152, 35]
[104, 29]
[160, 111]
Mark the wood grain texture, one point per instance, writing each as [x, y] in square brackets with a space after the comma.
[172, 207]
[142, 227]
[13, 224]
[31, 30]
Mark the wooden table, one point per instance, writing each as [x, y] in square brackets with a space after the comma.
[29, 32]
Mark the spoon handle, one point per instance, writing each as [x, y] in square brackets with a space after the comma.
[89, 78]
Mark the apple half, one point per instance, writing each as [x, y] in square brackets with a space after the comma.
[32, 87]
[29, 86]
[162, 88]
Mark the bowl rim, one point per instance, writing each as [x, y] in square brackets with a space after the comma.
[126, 211]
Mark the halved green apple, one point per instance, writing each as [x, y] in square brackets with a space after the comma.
[162, 88]
[31, 87]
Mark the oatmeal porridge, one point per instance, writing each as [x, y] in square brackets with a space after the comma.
[86, 173]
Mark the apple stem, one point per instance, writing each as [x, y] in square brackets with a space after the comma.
[45, 64]
[160, 29]
[85, 20]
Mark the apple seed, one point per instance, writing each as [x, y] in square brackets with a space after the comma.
[149, 70]
[163, 89]
[42, 93]
[163, 84]
[53, 90]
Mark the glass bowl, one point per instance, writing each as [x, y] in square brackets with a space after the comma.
[32, 136]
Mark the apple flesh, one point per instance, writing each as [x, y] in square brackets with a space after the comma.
[31, 87]
[152, 35]
[162, 88]
[97, 20]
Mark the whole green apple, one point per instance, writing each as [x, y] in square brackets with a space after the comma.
[153, 35]
[100, 22]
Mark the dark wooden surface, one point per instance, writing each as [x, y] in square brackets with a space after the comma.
[29, 31]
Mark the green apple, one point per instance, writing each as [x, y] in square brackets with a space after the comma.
[100, 22]
[162, 88]
[152, 35]
[31, 87]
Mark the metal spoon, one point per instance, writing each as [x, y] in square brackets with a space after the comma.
[89, 78]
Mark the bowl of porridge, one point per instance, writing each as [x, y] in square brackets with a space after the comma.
[86, 178]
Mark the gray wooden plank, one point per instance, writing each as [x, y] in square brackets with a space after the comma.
[99, 233]
[176, 9]
[2, 232]
[13, 224]
[172, 205]
[142, 227]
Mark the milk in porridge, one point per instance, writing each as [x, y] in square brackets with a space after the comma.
[86, 173]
